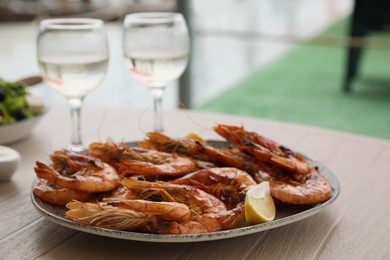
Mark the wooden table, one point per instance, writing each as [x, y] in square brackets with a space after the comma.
[356, 226]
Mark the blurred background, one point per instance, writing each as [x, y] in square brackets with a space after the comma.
[287, 60]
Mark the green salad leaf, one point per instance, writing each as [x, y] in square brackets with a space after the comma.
[13, 104]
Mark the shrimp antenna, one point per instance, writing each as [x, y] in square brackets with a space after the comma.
[139, 120]
[187, 113]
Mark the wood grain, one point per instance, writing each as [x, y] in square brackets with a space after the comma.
[356, 226]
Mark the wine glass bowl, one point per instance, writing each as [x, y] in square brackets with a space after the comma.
[156, 49]
[73, 58]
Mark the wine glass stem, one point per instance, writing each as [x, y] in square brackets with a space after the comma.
[75, 112]
[157, 108]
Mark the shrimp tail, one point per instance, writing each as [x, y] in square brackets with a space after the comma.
[45, 172]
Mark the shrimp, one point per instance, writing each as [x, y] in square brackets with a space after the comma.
[158, 207]
[126, 214]
[166, 210]
[131, 160]
[78, 172]
[164, 143]
[203, 154]
[109, 152]
[216, 156]
[120, 193]
[205, 223]
[199, 201]
[264, 149]
[57, 195]
[210, 157]
[209, 213]
[301, 189]
[149, 162]
[228, 184]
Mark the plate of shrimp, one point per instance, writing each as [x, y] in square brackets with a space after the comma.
[164, 189]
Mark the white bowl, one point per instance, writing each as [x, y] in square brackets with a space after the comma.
[9, 162]
[10, 133]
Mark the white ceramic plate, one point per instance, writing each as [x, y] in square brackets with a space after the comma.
[285, 215]
[10, 133]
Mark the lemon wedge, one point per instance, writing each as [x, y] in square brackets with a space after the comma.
[259, 205]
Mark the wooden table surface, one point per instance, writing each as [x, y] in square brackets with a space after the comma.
[356, 226]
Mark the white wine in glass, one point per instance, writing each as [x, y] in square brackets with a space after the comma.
[156, 47]
[73, 58]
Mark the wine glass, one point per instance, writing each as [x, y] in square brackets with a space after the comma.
[73, 58]
[156, 49]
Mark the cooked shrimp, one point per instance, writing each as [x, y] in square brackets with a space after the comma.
[120, 193]
[199, 201]
[301, 189]
[164, 143]
[208, 222]
[211, 154]
[228, 184]
[126, 214]
[209, 213]
[166, 210]
[57, 195]
[203, 154]
[78, 172]
[264, 149]
[130, 160]
[109, 152]
[259, 170]
[149, 162]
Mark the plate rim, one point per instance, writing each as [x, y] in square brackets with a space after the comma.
[186, 238]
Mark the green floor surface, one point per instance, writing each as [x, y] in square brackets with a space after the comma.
[304, 86]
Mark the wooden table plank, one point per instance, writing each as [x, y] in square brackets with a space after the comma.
[355, 226]
[366, 212]
[33, 240]
[111, 248]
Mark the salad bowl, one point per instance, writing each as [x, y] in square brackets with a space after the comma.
[10, 133]
[20, 112]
